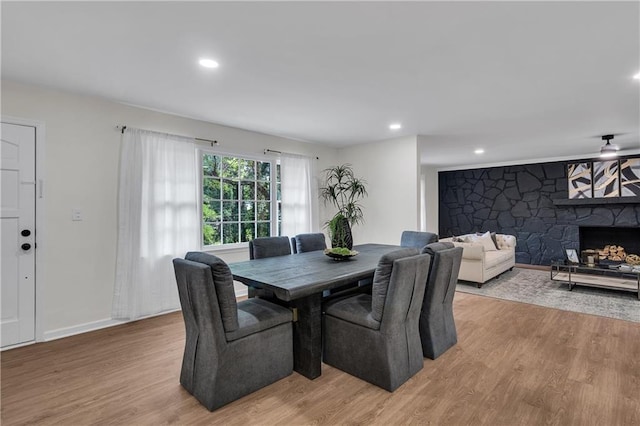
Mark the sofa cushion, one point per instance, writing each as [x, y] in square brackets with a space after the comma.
[496, 257]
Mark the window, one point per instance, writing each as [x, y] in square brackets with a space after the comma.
[240, 199]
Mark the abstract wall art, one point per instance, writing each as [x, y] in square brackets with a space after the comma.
[579, 178]
[606, 183]
[630, 177]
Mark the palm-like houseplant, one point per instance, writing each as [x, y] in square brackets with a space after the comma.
[344, 191]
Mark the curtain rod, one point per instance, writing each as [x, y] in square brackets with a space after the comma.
[122, 128]
[273, 151]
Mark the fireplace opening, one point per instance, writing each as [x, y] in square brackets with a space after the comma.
[612, 240]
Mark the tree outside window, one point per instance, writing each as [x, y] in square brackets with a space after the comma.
[238, 200]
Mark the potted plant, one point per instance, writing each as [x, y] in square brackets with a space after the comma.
[344, 191]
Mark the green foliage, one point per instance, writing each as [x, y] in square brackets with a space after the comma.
[210, 234]
[230, 188]
[343, 251]
[264, 229]
[247, 231]
[343, 190]
[264, 171]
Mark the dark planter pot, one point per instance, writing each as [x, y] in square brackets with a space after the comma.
[342, 236]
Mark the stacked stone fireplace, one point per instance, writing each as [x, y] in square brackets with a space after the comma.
[531, 202]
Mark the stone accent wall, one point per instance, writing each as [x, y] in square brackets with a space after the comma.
[518, 200]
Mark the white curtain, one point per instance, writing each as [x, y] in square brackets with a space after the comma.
[299, 195]
[157, 220]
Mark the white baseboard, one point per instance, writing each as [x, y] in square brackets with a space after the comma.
[17, 345]
[93, 326]
[81, 328]
[104, 323]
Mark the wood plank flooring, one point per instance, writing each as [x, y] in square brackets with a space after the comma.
[514, 364]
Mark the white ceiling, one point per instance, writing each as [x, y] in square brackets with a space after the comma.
[524, 80]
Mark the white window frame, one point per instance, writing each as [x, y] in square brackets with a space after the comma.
[275, 162]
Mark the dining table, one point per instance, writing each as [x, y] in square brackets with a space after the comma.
[298, 282]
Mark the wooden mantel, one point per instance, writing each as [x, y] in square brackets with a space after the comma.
[596, 201]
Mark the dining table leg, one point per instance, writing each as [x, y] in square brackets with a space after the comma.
[307, 335]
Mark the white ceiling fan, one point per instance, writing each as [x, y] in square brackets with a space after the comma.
[610, 150]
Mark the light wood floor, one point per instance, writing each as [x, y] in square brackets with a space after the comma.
[513, 364]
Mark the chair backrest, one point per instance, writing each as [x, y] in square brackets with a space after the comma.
[201, 313]
[382, 277]
[417, 239]
[302, 243]
[405, 292]
[262, 247]
[223, 283]
[443, 273]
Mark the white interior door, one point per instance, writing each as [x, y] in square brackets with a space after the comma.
[18, 233]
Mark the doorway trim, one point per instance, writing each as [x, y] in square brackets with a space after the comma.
[40, 222]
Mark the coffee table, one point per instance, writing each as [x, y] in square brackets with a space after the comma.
[596, 276]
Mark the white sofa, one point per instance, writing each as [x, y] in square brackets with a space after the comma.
[479, 263]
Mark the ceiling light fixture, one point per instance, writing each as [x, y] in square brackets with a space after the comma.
[395, 126]
[637, 76]
[608, 149]
[479, 151]
[208, 63]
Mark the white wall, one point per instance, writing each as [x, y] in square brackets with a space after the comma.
[430, 200]
[429, 188]
[81, 171]
[391, 169]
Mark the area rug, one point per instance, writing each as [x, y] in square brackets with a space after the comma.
[537, 288]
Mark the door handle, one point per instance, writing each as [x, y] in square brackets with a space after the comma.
[25, 246]
[25, 233]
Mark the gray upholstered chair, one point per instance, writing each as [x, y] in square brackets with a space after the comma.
[417, 239]
[267, 247]
[231, 349]
[437, 327]
[375, 337]
[302, 243]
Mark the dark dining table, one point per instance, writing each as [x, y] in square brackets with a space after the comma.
[298, 281]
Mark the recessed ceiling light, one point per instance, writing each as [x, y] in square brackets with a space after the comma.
[395, 126]
[637, 76]
[208, 63]
[479, 151]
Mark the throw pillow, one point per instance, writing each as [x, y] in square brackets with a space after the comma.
[493, 237]
[486, 241]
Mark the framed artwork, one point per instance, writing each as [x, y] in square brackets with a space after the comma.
[572, 256]
[630, 177]
[606, 181]
[579, 179]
